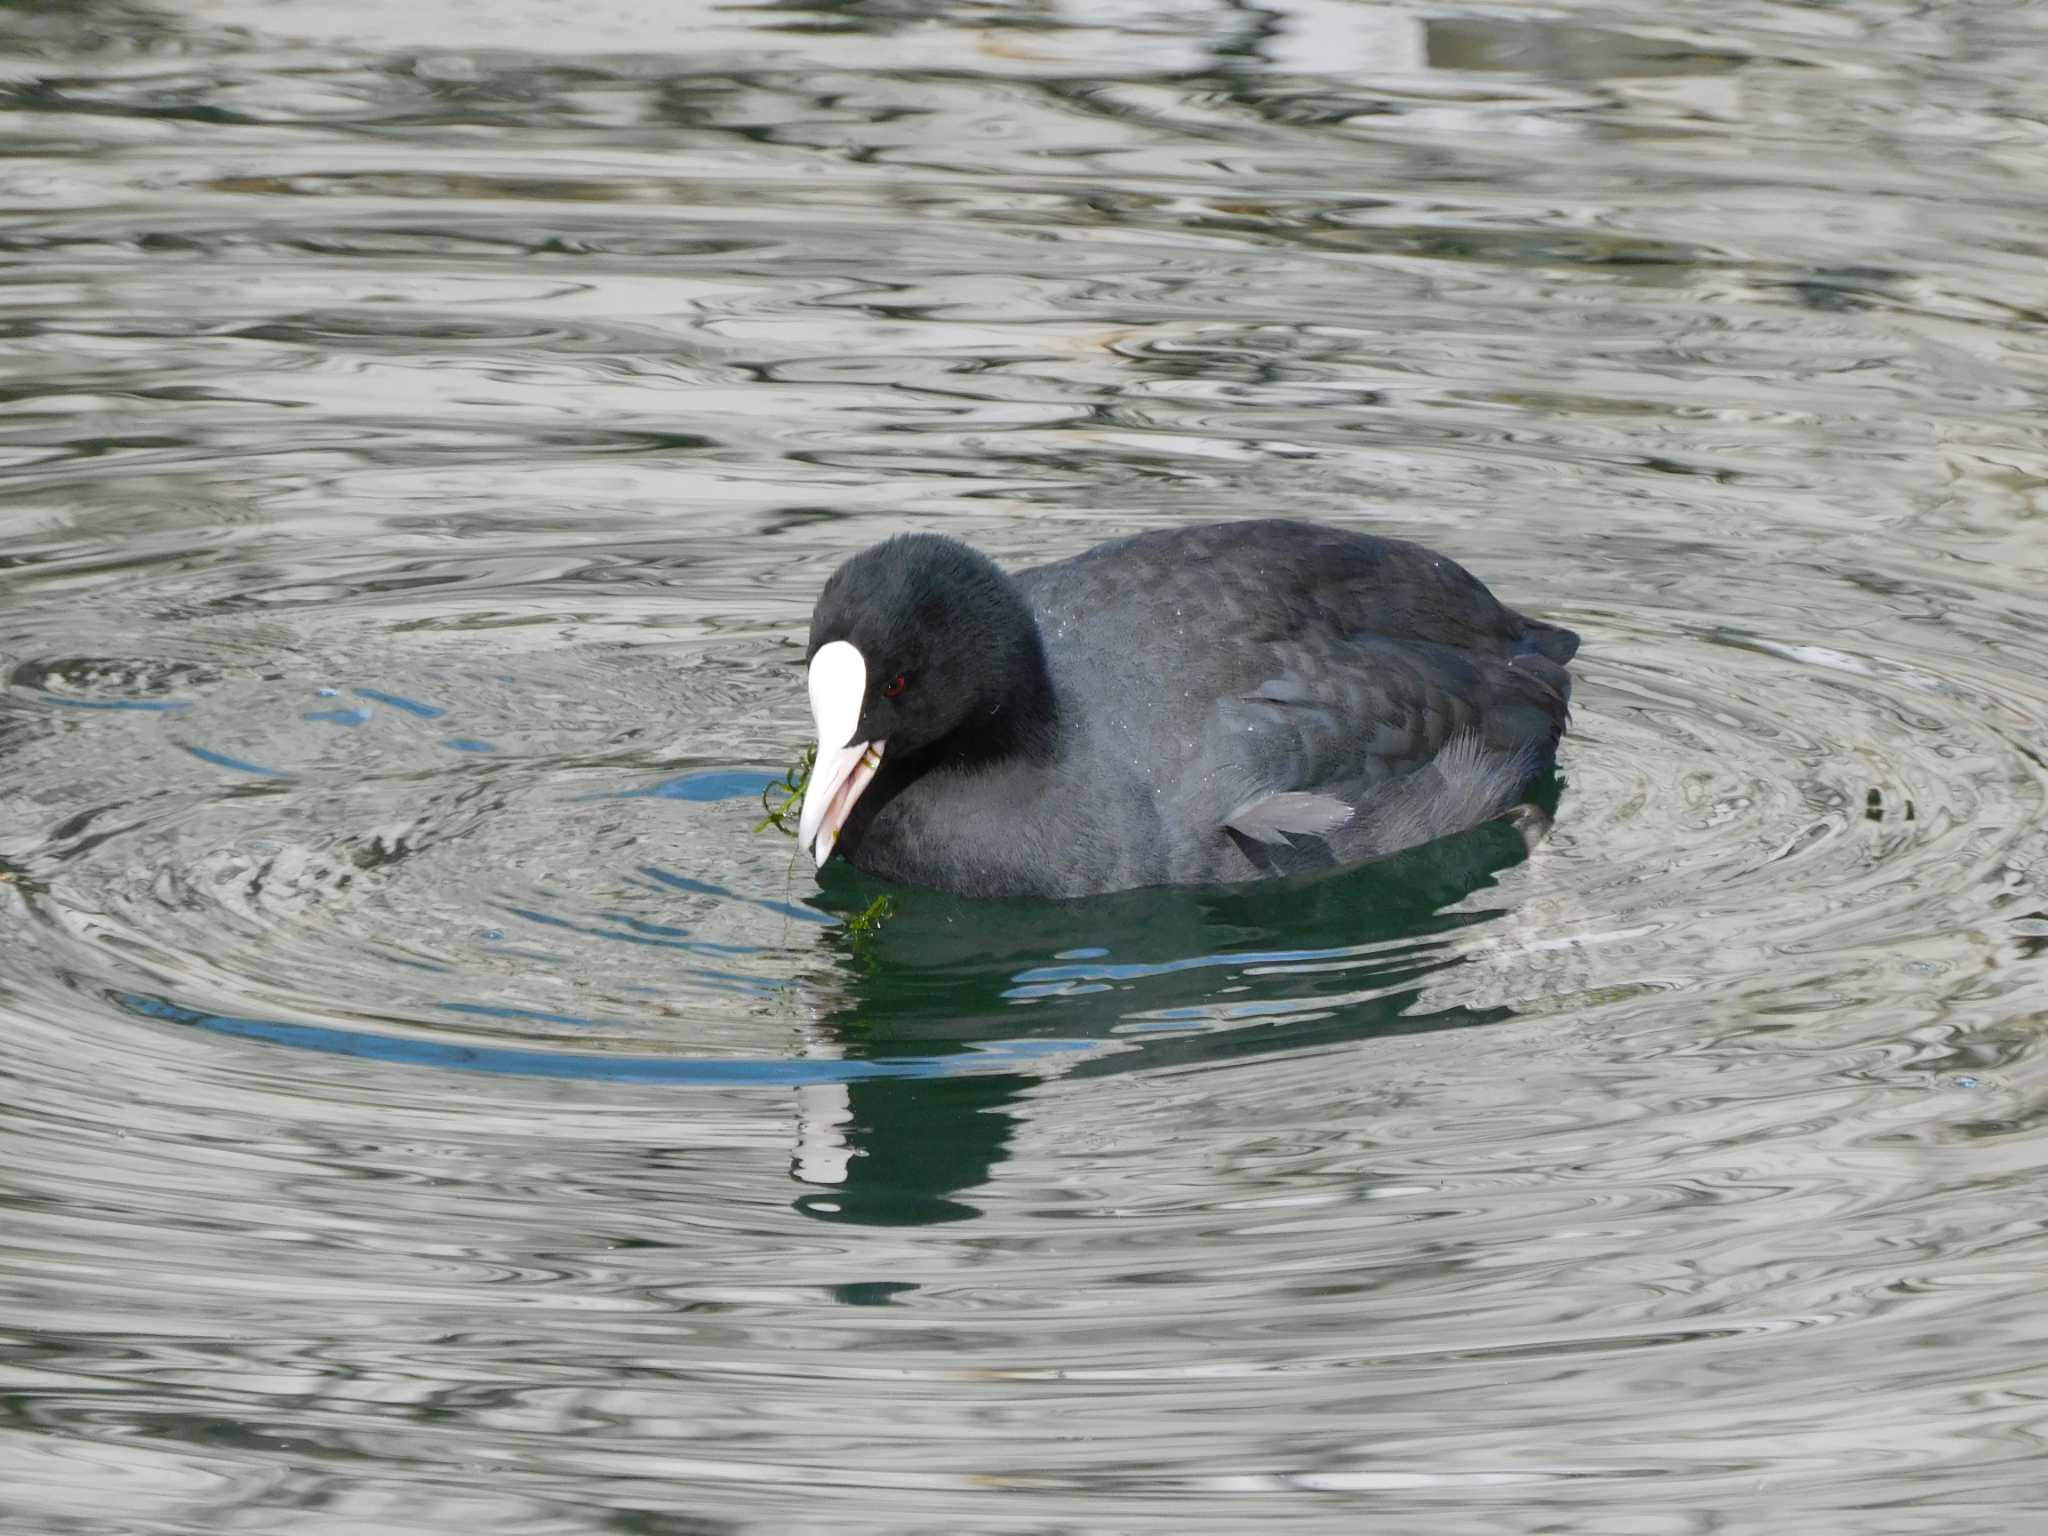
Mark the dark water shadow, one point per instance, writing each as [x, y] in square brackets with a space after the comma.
[1310, 964]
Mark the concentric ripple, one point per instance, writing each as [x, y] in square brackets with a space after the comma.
[436, 1106]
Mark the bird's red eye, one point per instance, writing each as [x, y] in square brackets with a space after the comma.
[902, 682]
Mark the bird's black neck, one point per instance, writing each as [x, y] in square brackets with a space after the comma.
[1015, 713]
[1020, 722]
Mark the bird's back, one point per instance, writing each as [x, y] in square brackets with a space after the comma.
[1289, 665]
[1275, 579]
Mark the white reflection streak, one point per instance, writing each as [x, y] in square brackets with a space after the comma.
[822, 1151]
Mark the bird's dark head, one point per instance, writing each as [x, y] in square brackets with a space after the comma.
[918, 644]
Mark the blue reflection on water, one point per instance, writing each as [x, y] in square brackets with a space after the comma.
[158, 705]
[713, 784]
[1106, 970]
[535, 1015]
[399, 701]
[222, 760]
[777, 1072]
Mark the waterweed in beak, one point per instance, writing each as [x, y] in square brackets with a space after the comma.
[781, 797]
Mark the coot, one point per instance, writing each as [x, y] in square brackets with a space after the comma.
[1196, 705]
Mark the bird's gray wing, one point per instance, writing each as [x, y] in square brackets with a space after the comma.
[1370, 742]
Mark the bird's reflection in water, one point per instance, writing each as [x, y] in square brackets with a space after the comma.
[895, 1151]
[1318, 962]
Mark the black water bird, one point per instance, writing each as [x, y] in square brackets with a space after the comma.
[1197, 705]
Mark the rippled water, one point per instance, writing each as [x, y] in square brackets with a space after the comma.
[430, 1106]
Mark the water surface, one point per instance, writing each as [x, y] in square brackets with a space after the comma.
[430, 1106]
